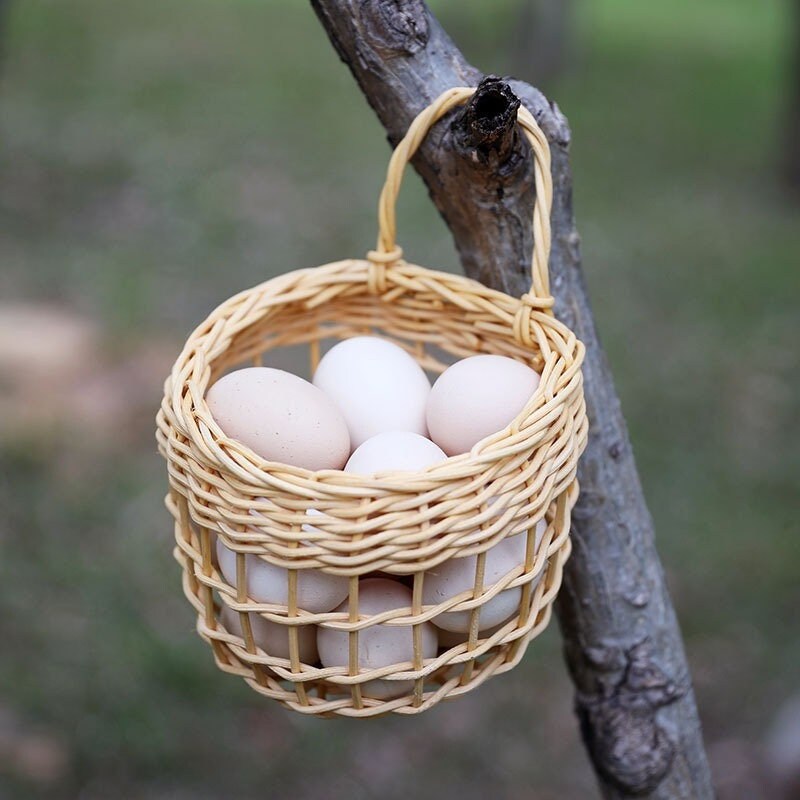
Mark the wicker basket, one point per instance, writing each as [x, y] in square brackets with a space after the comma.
[397, 525]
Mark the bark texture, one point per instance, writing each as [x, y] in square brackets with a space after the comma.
[622, 643]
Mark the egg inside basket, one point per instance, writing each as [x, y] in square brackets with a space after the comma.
[379, 538]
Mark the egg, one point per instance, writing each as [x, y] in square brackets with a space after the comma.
[377, 386]
[448, 639]
[272, 637]
[457, 575]
[394, 450]
[281, 417]
[317, 592]
[476, 397]
[379, 645]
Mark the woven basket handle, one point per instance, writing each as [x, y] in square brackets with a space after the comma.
[387, 251]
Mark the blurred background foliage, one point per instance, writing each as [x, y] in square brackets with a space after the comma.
[156, 157]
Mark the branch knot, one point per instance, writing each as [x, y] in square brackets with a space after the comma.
[626, 743]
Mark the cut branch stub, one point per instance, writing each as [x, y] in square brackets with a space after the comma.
[487, 124]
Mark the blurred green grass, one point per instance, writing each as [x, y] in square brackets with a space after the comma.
[157, 158]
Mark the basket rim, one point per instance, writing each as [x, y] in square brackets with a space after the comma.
[228, 455]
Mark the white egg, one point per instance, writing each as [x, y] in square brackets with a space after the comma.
[379, 645]
[272, 637]
[280, 417]
[457, 575]
[394, 450]
[475, 398]
[377, 386]
[317, 592]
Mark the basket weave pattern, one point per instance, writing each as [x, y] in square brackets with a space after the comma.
[401, 524]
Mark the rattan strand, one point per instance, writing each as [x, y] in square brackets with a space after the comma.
[396, 524]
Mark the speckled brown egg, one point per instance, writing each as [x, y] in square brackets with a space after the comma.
[281, 417]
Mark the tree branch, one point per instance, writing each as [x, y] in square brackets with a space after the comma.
[622, 643]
